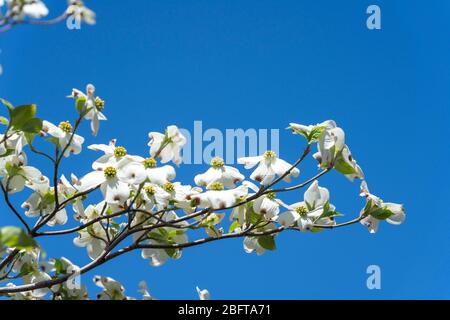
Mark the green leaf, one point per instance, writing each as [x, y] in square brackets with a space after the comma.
[7, 104]
[80, 105]
[21, 114]
[4, 121]
[267, 242]
[381, 213]
[33, 125]
[315, 134]
[13, 237]
[233, 226]
[343, 166]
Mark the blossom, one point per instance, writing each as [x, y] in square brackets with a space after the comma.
[15, 141]
[218, 198]
[112, 289]
[269, 166]
[155, 195]
[203, 294]
[181, 196]
[77, 8]
[143, 288]
[310, 211]
[221, 173]
[93, 106]
[140, 169]
[166, 235]
[265, 205]
[19, 176]
[35, 9]
[377, 210]
[94, 237]
[167, 146]
[42, 201]
[63, 132]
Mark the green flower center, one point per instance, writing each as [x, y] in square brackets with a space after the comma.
[120, 152]
[301, 210]
[149, 163]
[110, 172]
[65, 126]
[169, 187]
[216, 186]
[270, 195]
[269, 154]
[99, 103]
[149, 190]
[217, 162]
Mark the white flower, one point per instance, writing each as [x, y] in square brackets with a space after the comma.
[77, 8]
[147, 169]
[310, 211]
[109, 177]
[181, 195]
[35, 9]
[154, 195]
[219, 172]
[63, 132]
[157, 256]
[143, 288]
[269, 166]
[203, 294]
[94, 237]
[22, 175]
[16, 141]
[330, 143]
[265, 205]
[112, 289]
[218, 198]
[167, 146]
[377, 210]
[42, 201]
[94, 104]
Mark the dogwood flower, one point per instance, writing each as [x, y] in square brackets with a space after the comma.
[109, 177]
[78, 9]
[63, 132]
[218, 198]
[265, 205]
[221, 173]
[165, 235]
[143, 288]
[203, 294]
[15, 141]
[330, 143]
[94, 237]
[154, 195]
[140, 169]
[35, 9]
[112, 289]
[181, 195]
[377, 210]
[42, 202]
[310, 211]
[19, 176]
[269, 166]
[94, 106]
[167, 146]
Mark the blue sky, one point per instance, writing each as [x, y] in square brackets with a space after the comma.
[263, 64]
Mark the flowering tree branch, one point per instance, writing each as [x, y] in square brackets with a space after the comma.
[141, 202]
[16, 12]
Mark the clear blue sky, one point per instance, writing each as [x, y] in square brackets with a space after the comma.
[263, 64]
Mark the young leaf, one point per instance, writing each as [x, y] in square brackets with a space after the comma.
[267, 242]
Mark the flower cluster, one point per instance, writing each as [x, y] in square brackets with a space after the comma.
[141, 200]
